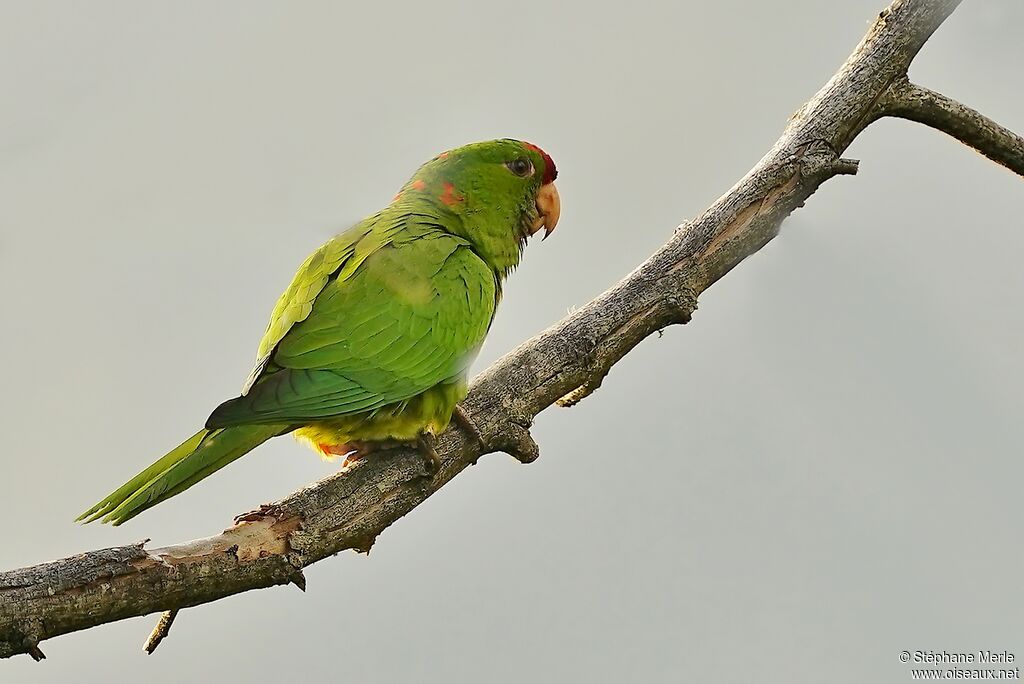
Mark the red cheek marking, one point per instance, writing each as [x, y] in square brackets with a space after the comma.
[397, 195]
[419, 184]
[443, 155]
[449, 196]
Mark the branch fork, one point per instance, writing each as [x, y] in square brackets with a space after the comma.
[910, 101]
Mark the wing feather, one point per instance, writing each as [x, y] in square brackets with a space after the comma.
[348, 337]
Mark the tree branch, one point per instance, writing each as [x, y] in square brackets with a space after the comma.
[160, 632]
[562, 365]
[910, 101]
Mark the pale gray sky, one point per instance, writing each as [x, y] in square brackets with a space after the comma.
[822, 470]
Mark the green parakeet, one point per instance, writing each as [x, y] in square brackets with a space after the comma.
[372, 341]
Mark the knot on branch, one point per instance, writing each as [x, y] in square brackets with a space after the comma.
[295, 574]
[583, 391]
[30, 638]
[681, 304]
[515, 440]
[819, 160]
[674, 307]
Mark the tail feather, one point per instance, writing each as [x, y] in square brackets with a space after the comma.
[200, 455]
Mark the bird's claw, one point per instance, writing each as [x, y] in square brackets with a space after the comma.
[465, 421]
[425, 445]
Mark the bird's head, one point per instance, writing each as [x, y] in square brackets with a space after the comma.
[496, 193]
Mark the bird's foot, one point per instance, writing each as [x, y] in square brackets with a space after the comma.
[358, 450]
[425, 445]
[465, 421]
[332, 452]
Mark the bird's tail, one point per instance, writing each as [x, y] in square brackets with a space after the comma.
[202, 454]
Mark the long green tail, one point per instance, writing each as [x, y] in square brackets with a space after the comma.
[202, 454]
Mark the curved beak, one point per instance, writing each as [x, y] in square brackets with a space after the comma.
[549, 207]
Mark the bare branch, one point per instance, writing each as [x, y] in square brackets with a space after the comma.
[910, 101]
[567, 362]
[160, 632]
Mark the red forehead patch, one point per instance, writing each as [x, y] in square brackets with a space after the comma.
[550, 171]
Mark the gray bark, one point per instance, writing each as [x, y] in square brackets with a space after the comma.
[916, 103]
[561, 366]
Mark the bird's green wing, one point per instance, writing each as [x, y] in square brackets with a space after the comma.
[336, 260]
[410, 315]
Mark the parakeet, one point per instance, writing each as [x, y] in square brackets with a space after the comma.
[372, 341]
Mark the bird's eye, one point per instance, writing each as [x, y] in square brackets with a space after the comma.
[520, 167]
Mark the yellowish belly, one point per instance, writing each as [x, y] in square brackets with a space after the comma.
[429, 412]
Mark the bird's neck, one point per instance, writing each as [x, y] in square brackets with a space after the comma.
[494, 233]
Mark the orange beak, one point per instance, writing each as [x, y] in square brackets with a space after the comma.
[549, 207]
